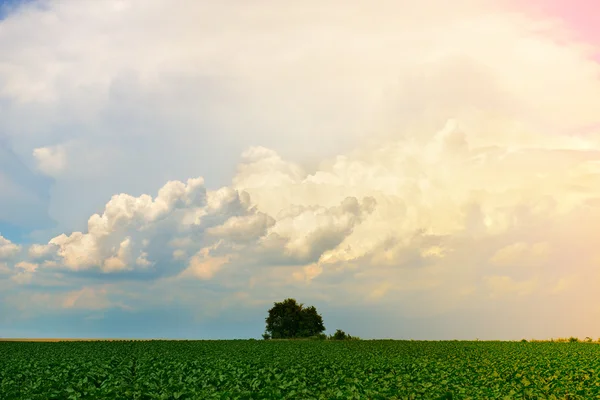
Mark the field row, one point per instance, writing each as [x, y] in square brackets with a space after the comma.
[299, 370]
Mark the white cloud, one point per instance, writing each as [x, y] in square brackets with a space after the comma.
[123, 214]
[470, 172]
[421, 233]
[356, 74]
[37, 251]
[142, 260]
[203, 266]
[132, 232]
[308, 272]
[8, 249]
[243, 228]
[51, 160]
[118, 262]
[25, 272]
[27, 266]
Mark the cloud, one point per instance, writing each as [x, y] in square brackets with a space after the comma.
[107, 244]
[522, 254]
[37, 251]
[390, 156]
[439, 234]
[51, 160]
[505, 285]
[4, 268]
[8, 249]
[362, 79]
[24, 195]
[203, 231]
[87, 298]
[203, 266]
[25, 271]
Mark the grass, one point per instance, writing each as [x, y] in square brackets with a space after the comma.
[298, 370]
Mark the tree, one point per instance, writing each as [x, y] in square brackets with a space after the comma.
[311, 323]
[339, 335]
[288, 319]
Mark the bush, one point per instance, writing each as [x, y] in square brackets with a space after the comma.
[573, 339]
[341, 335]
[338, 335]
[320, 336]
[266, 336]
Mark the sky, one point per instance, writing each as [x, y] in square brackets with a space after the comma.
[172, 170]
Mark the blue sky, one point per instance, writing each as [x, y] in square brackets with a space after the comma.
[7, 6]
[171, 171]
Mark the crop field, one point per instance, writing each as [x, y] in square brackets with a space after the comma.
[298, 370]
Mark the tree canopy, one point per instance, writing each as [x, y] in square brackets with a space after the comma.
[289, 319]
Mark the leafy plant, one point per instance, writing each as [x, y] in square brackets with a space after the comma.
[289, 319]
[298, 369]
[341, 335]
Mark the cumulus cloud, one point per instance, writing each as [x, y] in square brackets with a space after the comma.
[203, 266]
[8, 249]
[449, 159]
[358, 73]
[107, 243]
[37, 251]
[419, 229]
[203, 230]
[25, 271]
[51, 160]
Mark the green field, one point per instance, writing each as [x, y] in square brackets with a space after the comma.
[299, 370]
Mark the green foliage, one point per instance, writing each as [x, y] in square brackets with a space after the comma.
[573, 339]
[341, 335]
[296, 369]
[289, 320]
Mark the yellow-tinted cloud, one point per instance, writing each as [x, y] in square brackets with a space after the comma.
[472, 184]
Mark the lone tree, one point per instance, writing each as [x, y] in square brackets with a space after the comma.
[288, 320]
